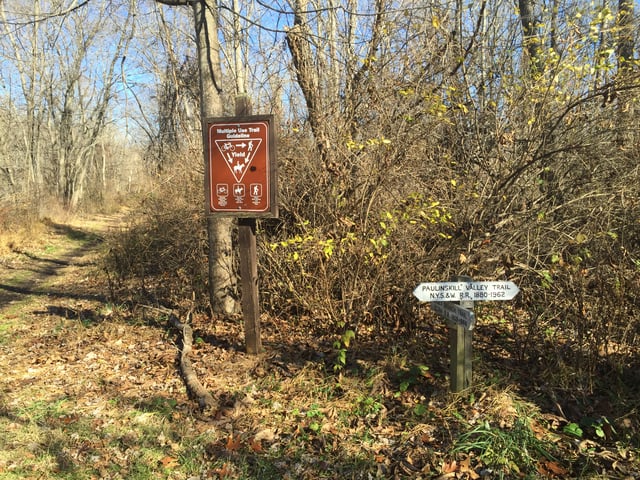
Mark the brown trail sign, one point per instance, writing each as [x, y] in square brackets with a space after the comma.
[241, 182]
[241, 177]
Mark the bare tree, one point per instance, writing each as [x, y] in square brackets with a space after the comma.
[333, 64]
[67, 81]
[29, 63]
[222, 276]
[627, 70]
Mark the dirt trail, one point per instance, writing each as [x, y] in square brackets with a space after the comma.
[60, 264]
[58, 273]
[56, 276]
[68, 366]
[51, 270]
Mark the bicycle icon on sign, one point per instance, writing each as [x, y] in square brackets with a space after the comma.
[228, 147]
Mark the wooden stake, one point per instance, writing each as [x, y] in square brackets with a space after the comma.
[460, 344]
[249, 265]
[249, 284]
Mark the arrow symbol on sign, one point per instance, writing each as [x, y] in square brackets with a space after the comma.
[455, 313]
[460, 291]
[238, 154]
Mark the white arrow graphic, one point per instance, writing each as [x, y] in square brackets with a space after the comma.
[458, 291]
[238, 155]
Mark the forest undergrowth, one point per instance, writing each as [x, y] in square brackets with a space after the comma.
[354, 379]
[92, 390]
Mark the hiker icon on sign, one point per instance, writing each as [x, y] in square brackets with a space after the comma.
[255, 190]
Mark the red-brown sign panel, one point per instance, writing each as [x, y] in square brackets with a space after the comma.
[241, 177]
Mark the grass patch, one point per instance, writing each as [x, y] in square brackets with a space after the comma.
[507, 451]
[509, 440]
[18, 278]
[42, 411]
[5, 331]
[51, 249]
[52, 438]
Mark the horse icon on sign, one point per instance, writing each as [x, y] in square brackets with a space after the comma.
[238, 190]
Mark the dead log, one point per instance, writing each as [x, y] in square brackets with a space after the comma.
[202, 395]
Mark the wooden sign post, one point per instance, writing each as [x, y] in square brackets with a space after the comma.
[249, 284]
[461, 349]
[454, 301]
[241, 182]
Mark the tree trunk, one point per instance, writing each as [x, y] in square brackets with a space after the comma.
[530, 34]
[222, 276]
[624, 80]
[304, 63]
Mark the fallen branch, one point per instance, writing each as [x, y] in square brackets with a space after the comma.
[205, 399]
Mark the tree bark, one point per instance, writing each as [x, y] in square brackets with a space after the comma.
[626, 33]
[222, 276]
[625, 45]
[530, 34]
[304, 63]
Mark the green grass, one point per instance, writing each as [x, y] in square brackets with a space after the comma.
[5, 331]
[509, 450]
[52, 439]
[19, 277]
[51, 249]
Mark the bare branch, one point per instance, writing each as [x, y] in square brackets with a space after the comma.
[48, 16]
[176, 3]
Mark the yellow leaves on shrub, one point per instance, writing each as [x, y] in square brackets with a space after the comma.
[374, 244]
[371, 142]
